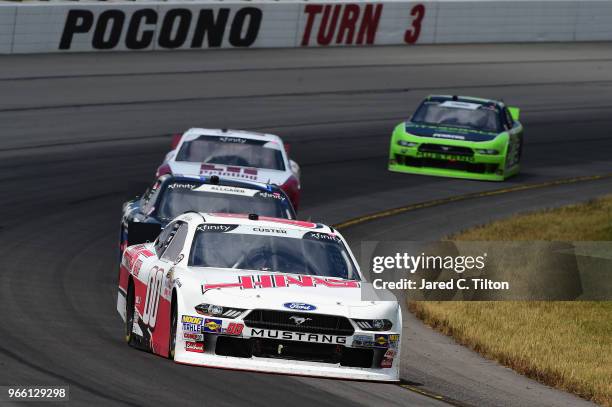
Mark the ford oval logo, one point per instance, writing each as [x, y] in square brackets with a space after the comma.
[299, 306]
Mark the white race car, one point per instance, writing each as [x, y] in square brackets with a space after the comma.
[234, 154]
[262, 294]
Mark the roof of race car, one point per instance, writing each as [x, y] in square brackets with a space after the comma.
[195, 132]
[444, 98]
[242, 219]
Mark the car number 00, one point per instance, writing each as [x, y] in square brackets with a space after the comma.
[154, 287]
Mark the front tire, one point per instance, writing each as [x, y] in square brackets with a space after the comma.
[173, 323]
[130, 310]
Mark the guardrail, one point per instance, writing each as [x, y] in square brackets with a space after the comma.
[68, 26]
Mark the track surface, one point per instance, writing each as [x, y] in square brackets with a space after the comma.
[81, 133]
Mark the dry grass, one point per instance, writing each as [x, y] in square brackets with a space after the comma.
[567, 345]
[588, 221]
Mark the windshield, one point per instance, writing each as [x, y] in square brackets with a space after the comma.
[180, 197]
[232, 151]
[470, 115]
[316, 253]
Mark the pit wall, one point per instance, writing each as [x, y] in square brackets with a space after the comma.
[119, 26]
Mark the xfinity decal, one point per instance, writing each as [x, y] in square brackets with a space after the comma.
[271, 195]
[214, 227]
[232, 140]
[180, 185]
[322, 236]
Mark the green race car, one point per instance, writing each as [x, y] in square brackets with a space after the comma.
[461, 137]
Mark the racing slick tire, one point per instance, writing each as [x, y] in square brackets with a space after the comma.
[173, 323]
[130, 306]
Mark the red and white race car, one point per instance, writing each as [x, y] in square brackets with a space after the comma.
[263, 294]
[234, 154]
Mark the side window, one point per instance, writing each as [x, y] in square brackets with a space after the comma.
[508, 118]
[176, 243]
[165, 237]
[149, 198]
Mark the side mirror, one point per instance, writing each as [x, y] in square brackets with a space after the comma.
[515, 112]
[176, 139]
[142, 232]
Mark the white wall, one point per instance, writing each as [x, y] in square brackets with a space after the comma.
[38, 27]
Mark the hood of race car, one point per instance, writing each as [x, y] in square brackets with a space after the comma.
[253, 289]
[229, 171]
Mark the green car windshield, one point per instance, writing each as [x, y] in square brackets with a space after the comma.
[458, 114]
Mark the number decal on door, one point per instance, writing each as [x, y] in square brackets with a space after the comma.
[154, 287]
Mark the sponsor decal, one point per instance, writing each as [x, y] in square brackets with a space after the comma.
[212, 325]
[136, 268]
[132, 254]
[175, 28]
[212, 227]
[381, 340]
[223, 189]
[393, 341]
[269, 230]
[194, 347]
[387, 361]
[271, 195]
[449, 136]
[297, 336]
[234, 328]
[181, 185]
[322, 236]
[460, 105]
[280, 280]
[234, 172]
[299, 306]
[364, 341]
[194, 337]
[192, 324]
[226, 139]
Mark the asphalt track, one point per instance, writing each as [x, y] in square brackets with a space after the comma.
[81, 133]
